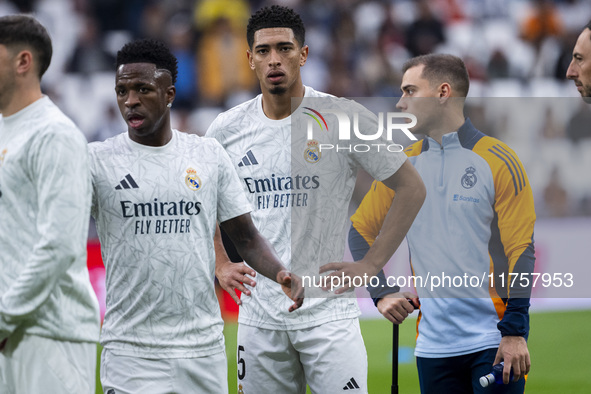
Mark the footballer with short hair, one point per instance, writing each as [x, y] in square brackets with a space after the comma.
[320, 344]
[157, 196]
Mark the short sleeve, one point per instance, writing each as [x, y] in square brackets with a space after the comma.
[232, 201]
[92, 165]
[383, 157]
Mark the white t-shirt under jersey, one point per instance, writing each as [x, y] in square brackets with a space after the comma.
[156, 210]
[300, 197]
[44, 211]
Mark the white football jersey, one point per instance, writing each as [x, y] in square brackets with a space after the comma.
[301, 196]
[156, 210]
[44, 211]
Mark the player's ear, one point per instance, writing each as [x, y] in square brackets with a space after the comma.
[24, 62]
[250, 59]
[303, 55]
[170, 94]
[444, 91]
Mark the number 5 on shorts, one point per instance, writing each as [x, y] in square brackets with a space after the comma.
[241, 368]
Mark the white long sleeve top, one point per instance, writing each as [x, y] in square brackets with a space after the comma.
[44, 212]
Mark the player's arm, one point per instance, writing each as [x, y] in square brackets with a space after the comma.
[260, 255]
[409, 196]
[514, 208]
[59, 169]
[237, 223]
[366, 224]
[406, 203]
[231, 276]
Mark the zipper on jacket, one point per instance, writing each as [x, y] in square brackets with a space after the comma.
[442, 165]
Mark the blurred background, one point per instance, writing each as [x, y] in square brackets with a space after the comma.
[517, 53]
[513, 48]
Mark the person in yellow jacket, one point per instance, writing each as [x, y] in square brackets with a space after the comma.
[477, 221]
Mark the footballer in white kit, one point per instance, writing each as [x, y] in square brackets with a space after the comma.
[157, 196]
[49, 314]
[301, 196]
[301, 203]
[156, 210]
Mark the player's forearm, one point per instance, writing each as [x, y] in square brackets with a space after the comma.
[359, 247]
[260, 255]
[410, 195]
[253, 247]
[63, 190]
[515, 320]
[49, 260]
[30, 290]
[221, 257]
[396, 225]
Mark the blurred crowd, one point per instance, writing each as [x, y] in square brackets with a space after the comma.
[513, 48]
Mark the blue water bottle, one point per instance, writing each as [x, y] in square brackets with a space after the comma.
[495, 376]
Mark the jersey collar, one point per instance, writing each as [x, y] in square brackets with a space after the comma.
[466, 136]
[272, 122]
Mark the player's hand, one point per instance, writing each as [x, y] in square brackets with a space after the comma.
[397, 306]
[344, 275]
[232, 276]
[291, 285]
[513, 351]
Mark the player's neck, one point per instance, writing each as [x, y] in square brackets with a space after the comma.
[159, 138]
[447, 125]
[22, 98]
[279, 106]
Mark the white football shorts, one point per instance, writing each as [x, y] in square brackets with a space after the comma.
[330, 358]
[135, 375]
[36, 365]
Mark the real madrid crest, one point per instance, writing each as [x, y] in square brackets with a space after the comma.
[312, 153]
[192, 180]
[469, 178]
[2, 155]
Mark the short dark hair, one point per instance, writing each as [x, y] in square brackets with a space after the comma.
[148, 50]
[276, 16]
[25, 31]
[440, 68]
[587, 26]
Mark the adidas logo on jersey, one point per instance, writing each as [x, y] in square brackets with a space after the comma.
[248, 160]
[351, 385]
[127, 183]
